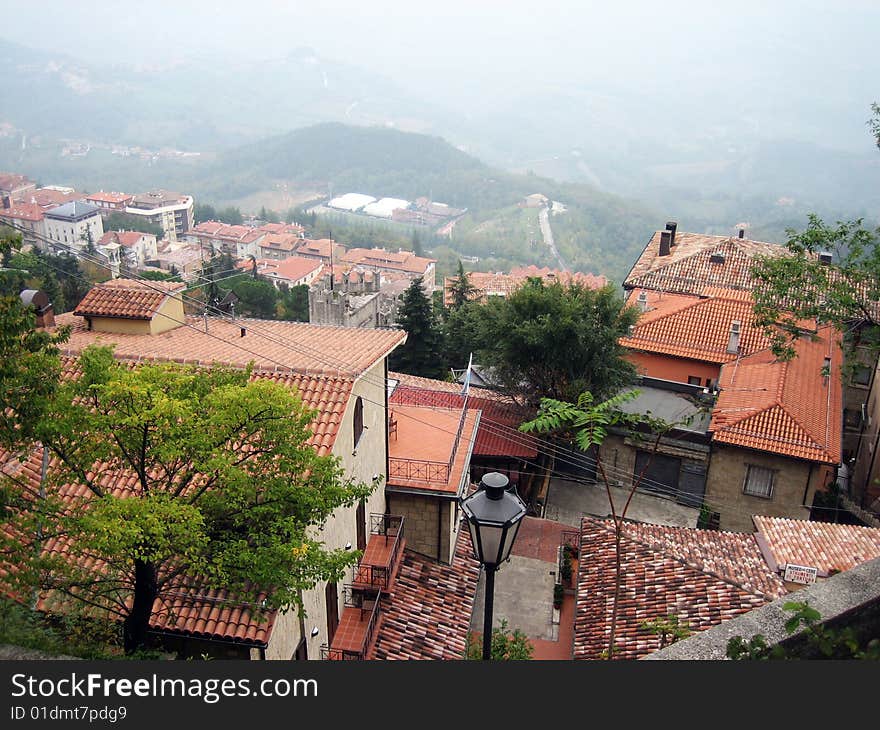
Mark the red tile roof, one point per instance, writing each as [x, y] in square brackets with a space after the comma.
[126, 299]
[429, 613]
[320, 248]
[703, 577]
[497, 284]
[273, 346]
[381, 258]
[280, 241]
[123, 238]
[47, 198]
[828, 547]
[114, 198]
[689, 267]
[11, 181]
[291, 269]
[698, 328]
[787, 408]
[23, 211]
[497, 433]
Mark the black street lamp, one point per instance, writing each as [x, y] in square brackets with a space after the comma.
[494, 516]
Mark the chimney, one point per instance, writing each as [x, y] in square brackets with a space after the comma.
[39, 300]
[665, 238]
[742, 232]
[672, 227]
[643, 301]
[733, 341]
[6, 203]
[716, 258]
[825, 257]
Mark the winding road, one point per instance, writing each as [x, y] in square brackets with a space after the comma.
[547, 233]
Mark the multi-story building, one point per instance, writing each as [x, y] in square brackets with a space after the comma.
[379, 259]
[498, 284]
[173, 212]
[15, 187]
[74, 225]
[110, 202]
[27, 219]
[137, 248]
[240, 242]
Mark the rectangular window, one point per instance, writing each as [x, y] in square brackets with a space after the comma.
[758, 482]
[693, 380]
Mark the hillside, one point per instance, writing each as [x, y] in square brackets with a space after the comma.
[598, 232]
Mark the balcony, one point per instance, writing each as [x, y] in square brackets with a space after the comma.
[379, 563]
[354, 636]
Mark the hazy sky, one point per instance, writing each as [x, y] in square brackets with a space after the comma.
[467, 51]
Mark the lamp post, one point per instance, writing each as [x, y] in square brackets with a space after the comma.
[494, 516]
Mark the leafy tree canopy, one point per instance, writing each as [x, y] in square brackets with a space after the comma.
[549, 341]
[421, 353]
[221, 487]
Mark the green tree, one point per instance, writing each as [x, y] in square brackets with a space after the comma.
[798, 288]
[464, 331]
[257, 298]
[421, 353]
[187, 478]
[119, 221]
[204, 212]
[588, 424]
[507, 645]
[555, 341]
[30, 366]
[230, 215]
[295, 303]
[461, 290]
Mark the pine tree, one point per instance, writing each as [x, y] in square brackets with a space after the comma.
[421, 353]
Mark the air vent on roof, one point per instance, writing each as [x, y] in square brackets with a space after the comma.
[825, 258]
[643, 301]
[716, 258]
[733, 339]
[742, 232]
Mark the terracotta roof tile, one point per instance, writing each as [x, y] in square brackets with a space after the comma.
[428, 614]
[693, 264]
[695, 327]
[125, 298]
[498, 421]
[703, 577]
[828, 547]
[787, 408]
[381, 258]
[271, 345]
[23, 211]
[497, 284]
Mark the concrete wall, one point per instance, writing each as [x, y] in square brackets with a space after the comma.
[341, 528]
[121, 326]
[677, 369]
[794, 486]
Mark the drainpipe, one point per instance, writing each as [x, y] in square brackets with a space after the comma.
[439, 530]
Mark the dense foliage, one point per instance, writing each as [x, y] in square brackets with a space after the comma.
[221, 488]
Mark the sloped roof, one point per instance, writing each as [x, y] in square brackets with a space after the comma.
[497, 433]
[703, 577]
[689, 267]
[695, 327]
[428, 614]
[124, 238]
[126, 299]
[23, 211]
[823, 545]
[787, 408]
[273, 346]
[74, 210]
[401, 260]
[496, 283]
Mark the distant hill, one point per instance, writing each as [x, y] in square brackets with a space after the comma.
[598, 232]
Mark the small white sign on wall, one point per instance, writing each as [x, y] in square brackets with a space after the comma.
[800, 574]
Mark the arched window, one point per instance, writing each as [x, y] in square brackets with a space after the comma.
[358, 420]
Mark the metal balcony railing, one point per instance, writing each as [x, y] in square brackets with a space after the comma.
[367, 574]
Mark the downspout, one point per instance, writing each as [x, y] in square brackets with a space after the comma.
[439, 530]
